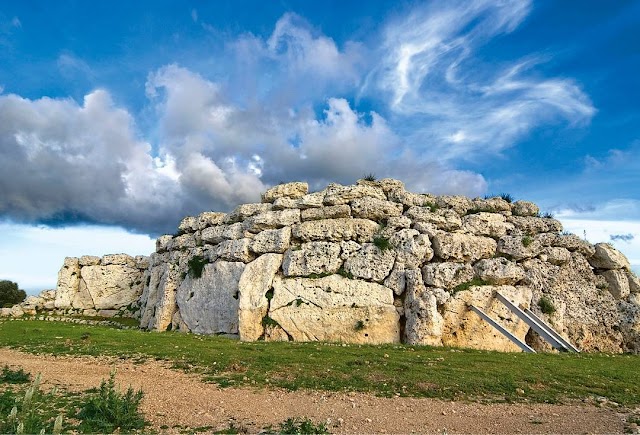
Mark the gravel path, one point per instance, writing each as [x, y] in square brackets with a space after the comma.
[176, 400]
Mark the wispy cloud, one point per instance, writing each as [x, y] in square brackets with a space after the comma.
[621, 237]
[431, 74]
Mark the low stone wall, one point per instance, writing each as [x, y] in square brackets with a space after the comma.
[374, 263]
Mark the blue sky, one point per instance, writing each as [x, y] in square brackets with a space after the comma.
[119, 118]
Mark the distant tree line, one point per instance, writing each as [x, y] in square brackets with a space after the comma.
[10, 294]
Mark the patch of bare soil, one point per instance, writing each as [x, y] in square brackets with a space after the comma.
[174, 400]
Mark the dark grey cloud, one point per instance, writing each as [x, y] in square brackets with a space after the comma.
[621, 237]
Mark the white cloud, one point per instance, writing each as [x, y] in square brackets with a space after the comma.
[461, 107]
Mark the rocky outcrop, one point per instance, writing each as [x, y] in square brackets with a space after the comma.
[374, 263]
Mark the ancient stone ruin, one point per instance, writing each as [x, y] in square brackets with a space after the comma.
[369, 263]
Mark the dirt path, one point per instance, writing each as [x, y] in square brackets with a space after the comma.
[174, 399]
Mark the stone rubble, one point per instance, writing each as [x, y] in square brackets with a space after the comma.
[368, 263]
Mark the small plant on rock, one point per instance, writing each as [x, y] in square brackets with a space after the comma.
[433, 207]
[359, 326]
[507, 197]
[196, 266]
[527, 240]
[369, 177]
[302, 426]
[467, 285]
[345, 273]
[382, 243]
[546, 306]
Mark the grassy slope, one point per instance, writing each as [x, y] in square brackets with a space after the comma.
[383, 370]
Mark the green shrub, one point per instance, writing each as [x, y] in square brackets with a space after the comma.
[382, 243]
[10, 376]
[548, 215]
[546, 306]
[345, 273]
[507, 197]
[10, 294]
[433, 207]
[369, 177]
[526, 241]
[302, 426]
[467, 285]
[196, 266]
[359, 326]
[108, 409]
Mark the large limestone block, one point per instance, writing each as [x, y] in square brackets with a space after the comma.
[235, 250]
[68, 282]
[83, 300]
[183, 242]
[285, 203]
[220, 233]
[412, 248]
[396, 280]
[336, 230]
[464, 328]
[486, 224]
[555, 255]
[329, 212]
[89, 260]
[347, 248]
[447, 275]
[312, 258]
[118, 260]
[335, 309]
[618, 283]
[112, 286]
[188, 225]
[272, 220]
[336, 194]
[160, 299]
[311, 200]
[574, 243]
[209, 219]
[256, 280]
[608, 257]
[524, 208]
[386, 184]
[276, 241]
[492, 205]
[409, 199]
[163, 243]
[423, 321]
[519, 247]
[463, 247]
[375, 209]
[533, 225]
[499, 271]
[370, 263]
[444, 219]
[293, 190]
[459, 204]
[243, 211]
[209, 304]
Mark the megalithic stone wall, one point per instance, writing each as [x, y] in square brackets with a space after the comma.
[89, 284]
[375, 263]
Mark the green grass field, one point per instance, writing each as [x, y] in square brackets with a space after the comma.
[387, 370]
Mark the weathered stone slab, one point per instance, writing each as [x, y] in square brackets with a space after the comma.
[272, 220]
[486, 224]
[370, 263]
[618, 283]
[336, 230]
[293, 190]
[608, 257]
[463, 247]
[499, 271]
[209, 304]
[444, 219]
[329, 212]
[335, 309]
[112, 286]
[524, 208]
[336, 194]
[276, 241]
[447, 275]
[312, 258]
[68, 282]
[375, 209]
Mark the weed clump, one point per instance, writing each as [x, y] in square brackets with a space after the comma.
[507, 197]
[302, 426]
[196, 266]
[10, 376]
[369, 177]
[109, 409]
[546, 306]
[382, 243]
[467, 285]
[526, 241]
